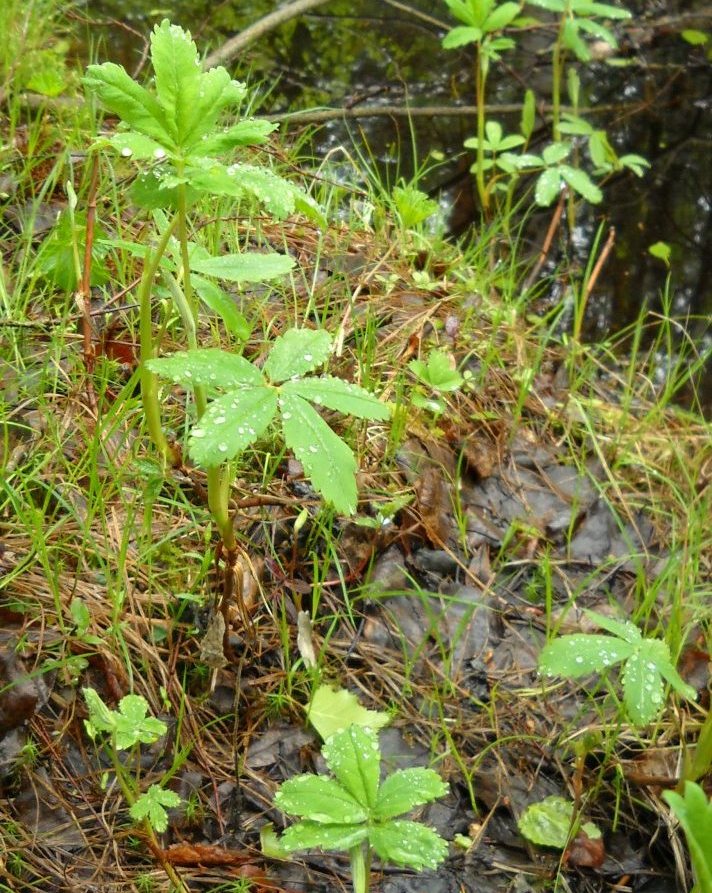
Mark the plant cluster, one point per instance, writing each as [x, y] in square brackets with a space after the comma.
[175, 137]
[497, 168]
[355, 811]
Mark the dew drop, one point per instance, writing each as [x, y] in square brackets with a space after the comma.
[308, 357]
[222, 447]
[219, 420]
[159, 153]
[188, 373]
[198, 432]
[579, 659]
[126, 152]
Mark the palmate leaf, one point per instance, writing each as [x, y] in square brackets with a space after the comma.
[321, 800]
[178, 77]
[643, 686]
[624, 629]
[326, 459]
[548, 186]
[152, 805]
[408, 843]
[230, 424]
[439, 372]
[580, 182]
[297, 352]
[406, 789]
[460, 36]
[248, 132]
[127, 99]
[101, 717]
[604, 10]
[133, 726]
[580, 654]
[134, 145]
[218, 92]
[245, 267]
[191, 98]
[207, 366]
[313, 835]
[335, 393]
[354, 756]
[501, 16]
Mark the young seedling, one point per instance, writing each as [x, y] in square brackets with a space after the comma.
[126, 729]
[646, 664]
[550, 822]
[579, 21]
[694, 812]
[356, 812]
[253, 398]
[183, 155]
[482, 20]
[439, 375]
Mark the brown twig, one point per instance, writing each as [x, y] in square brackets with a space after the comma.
[602, 258]
[229, 50]
[546, 247]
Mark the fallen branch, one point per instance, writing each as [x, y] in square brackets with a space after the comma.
[268, 23]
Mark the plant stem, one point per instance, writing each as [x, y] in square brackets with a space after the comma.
[480, 100]
[128, 790]
[360, 867]
[149, 381]
[218, 478]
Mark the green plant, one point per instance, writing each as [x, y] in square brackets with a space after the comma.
[481, 22]
[693, 810]
[411, 207]
[551, 822]
[555, 173]
[126, 729]
[253, 398]
[437, 375]
[647, 665]
[175, 137]
[604, 157]
[356, 812]
[578, 21]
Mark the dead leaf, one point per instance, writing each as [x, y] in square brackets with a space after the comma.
[18, 693]
[212, 650]
[433, 504]
[585, 851]
[202, 854]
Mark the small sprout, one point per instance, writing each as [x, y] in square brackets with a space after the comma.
[354, 811]
[254, 398]
[646, 664]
